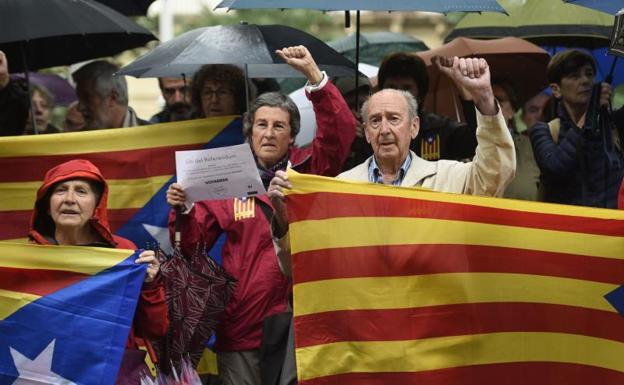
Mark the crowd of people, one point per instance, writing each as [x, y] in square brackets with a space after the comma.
[572, 157]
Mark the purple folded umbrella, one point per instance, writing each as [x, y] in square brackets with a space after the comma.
[60, 88]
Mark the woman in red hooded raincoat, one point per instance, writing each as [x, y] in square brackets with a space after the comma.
[71, 210]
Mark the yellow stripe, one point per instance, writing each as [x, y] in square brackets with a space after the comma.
[445, 289]
[366, 231]
[15, 240]
[118, 139]
[457, 351]
[12, 301]
[305, 184]
[79, 259]
[124, 193]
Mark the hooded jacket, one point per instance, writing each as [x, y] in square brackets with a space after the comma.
[151, 319]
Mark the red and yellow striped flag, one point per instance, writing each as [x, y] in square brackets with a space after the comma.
[408, 286]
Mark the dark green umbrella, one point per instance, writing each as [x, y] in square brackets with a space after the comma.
[375, 45]
[543, 22]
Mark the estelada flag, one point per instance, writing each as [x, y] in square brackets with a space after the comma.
[65, 312]
[137, 162]
[408, 286]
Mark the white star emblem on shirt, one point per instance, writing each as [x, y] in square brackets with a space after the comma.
[39, 370]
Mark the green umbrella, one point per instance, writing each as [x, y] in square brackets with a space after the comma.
[543, 22]
[375, 45]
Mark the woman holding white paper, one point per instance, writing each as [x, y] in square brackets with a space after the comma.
[270, 126]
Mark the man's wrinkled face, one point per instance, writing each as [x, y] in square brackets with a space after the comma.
[72, 203]
[271, 135]
[95, 109]
[217, 99]
[389, 129]
[177, 96]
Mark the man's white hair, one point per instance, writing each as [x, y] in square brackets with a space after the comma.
[102, 73]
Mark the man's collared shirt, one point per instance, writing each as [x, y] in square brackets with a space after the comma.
[375, 175]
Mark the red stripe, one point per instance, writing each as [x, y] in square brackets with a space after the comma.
[337, 205]
[37, 281]
[113, 164]
[15, 224]
[402, 260]
[453, 320]
[521, 373]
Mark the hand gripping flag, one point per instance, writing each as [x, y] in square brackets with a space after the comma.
[65, 313]
[408, 286]
[137, 162]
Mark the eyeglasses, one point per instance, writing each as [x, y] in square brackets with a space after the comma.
[219, 92]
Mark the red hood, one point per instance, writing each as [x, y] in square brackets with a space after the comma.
[41, 224]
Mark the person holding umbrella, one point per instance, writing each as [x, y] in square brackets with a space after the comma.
[580, 152]
[270, 126]
[14, 101]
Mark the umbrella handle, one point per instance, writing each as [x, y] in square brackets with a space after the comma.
[177, 223]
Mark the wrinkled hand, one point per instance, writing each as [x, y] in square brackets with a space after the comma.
[4, 71]
[276, 195]
[299, 58]
[153, 265]
[176, 197]
[473, 75]
[606, 93]
[445, 66]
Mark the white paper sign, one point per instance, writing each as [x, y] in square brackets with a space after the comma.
[218, 173]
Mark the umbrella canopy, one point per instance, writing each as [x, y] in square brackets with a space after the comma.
[128, 7]
[375, 45]
[246, 44]
[543, 22]
[49, 33]
[608, 6]
[60, 88]
[369, 5]
[513, 60]
[198, 290]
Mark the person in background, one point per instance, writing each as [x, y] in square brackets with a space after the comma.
[177, 97]
[14, 101]
[42, 104]
[525, 184]
[218, 90]
[103, 97]
[74, 121]
[580, 152]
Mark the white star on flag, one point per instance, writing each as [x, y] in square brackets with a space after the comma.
[37, 371]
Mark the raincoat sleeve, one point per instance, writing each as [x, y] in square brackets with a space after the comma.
[199, 228]
[151, 319]
[335, 133]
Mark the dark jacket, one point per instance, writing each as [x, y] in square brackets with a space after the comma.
[583, 166]
[14, 105]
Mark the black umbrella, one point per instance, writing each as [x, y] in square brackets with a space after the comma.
[37, 34]
[129, 7]
[248, 45]
[45, 33]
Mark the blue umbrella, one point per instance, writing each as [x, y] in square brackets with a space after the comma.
[439, 6]
[607, 6]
